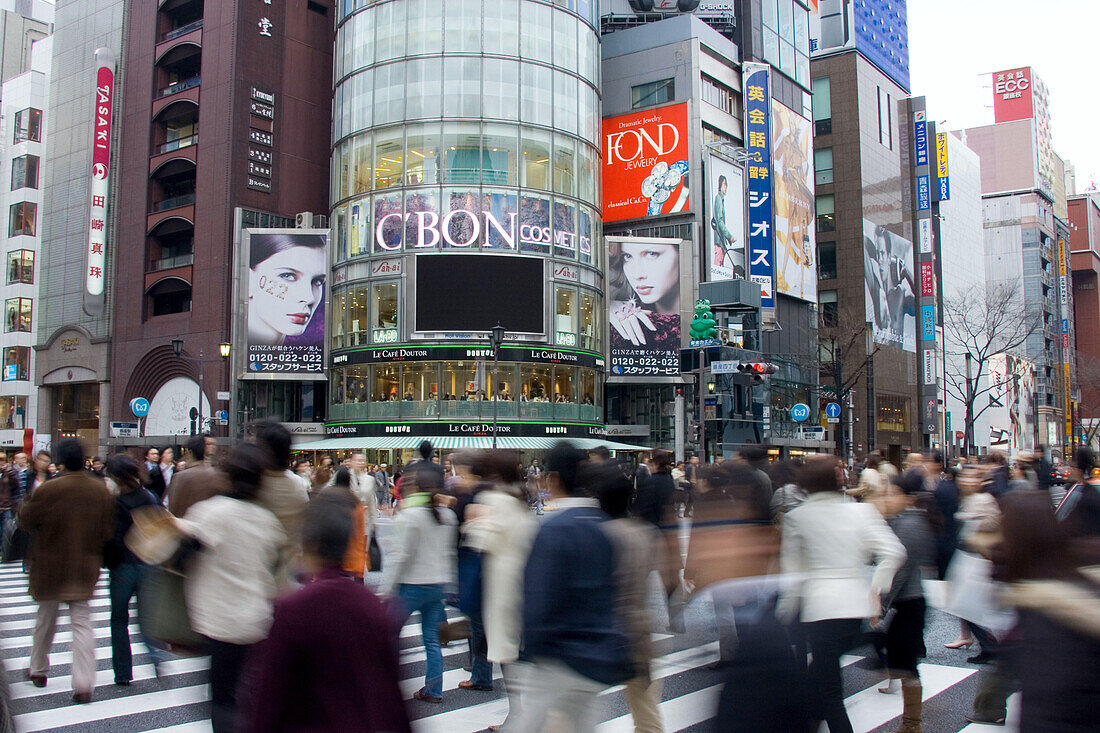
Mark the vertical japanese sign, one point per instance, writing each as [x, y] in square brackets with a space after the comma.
[925, 256]
[99, 183]
[1067, 357]
[758, 135]
[941, 166]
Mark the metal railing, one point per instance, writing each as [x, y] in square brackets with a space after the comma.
[176, 201]
[167, 263]
[182, 30]
[177, 144]
[180, 86]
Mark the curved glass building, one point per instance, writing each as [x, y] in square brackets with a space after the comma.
[465, 193]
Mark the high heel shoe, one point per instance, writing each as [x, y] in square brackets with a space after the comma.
[960, 644]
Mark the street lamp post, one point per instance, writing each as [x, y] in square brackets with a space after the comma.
[496, 338]
[177, 349]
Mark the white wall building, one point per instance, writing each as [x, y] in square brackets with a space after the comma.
[22, 147]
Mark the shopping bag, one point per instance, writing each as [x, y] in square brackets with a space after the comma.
[971, 593]
[162, 596]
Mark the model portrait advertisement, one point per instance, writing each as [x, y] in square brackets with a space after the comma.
[644, 306]
[888, 275]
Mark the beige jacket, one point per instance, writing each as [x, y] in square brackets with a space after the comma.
[282, 494]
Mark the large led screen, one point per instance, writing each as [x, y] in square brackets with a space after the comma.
[473, 293]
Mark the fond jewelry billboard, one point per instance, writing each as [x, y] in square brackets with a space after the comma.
[286, 300]
[645, 163]
[643, 282]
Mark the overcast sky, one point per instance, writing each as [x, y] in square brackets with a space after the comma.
[954, 44]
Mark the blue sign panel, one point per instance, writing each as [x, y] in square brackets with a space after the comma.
[924, 195]
[1065, 325]
[921, 135]
[800, 411]
[139, 406]
[757, 97]
[11, 372]
[928, 322]
[832, 409]
[945, 188]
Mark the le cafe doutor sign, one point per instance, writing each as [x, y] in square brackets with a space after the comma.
[431, 353]
[479, 429]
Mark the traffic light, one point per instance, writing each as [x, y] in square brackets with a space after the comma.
[695, 431]
[759, 370]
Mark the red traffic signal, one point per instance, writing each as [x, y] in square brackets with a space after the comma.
[758, 367]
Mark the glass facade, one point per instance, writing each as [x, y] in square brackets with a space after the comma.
[465, 126]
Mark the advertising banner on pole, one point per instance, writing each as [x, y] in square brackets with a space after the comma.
[643, 281]
[758, 136]
[726, 233]
[645, 163]
[792, 184]
[941, 166]
[95, 268]
[286, 300]
[888, 275]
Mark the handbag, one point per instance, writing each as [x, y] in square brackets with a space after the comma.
[169, 622]
[16, 542]
[374, 552]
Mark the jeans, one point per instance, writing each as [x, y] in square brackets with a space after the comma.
[829, 639]
[480, 666]
[125, 579]
[428, 599]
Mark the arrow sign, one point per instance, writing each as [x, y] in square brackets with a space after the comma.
[832, 410]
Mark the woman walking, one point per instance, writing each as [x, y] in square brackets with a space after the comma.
[423, 568]
[827, 543]
[355, 559]
[126, 571]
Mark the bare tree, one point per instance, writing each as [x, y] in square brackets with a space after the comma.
[1088, 378]
[844, 358]
[979, 324]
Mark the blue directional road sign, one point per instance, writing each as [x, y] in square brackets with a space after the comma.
[832, 410]
[800, 412]
[139, 406]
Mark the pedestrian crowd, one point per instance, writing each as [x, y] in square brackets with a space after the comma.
[558, 573]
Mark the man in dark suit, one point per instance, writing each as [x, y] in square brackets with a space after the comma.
[152, 468]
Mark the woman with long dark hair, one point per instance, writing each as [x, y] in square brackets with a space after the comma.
[125, 570]
[644, 287]
[286, 283]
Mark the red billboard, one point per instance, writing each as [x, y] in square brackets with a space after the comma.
[645, 163]
[1012, 95]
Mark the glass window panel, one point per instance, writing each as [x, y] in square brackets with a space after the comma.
[565, 316]
[801, 29]
[362, 171]
[338, 184]
[564, 165]
[771, 47]
[584, 235]
[21, 219]
[536, 386]
[424, 86]
[565, 230]
[390, 29]
[823, 103]
[589, 105]
[786, 58]
[422, 219]
[587, 54]
[389, 158]
[388, 223]
[535, 42]
[461, 148]
[565, 41]
[363, 50]
[588, 386]
[422, 155]
[13, 412]
[21, 267]
[802, 69]
[587, 320]
[17, 360]
[360, 231]
[823, 166]
[503, 386]
[786, 20]
[463, 223]
[419, 384]
[565, 102]
[501, 216]
[389, 93]
[586, 173]
[357, 384]
[338, 319]
[24, 172]
[565, 385]
[770, 13]
[18, 315]
[537, 94]
[534, 224]
[386, 381]
[28, 125]
[463, 29]
[425, 26]
[500, 89]
[501, 28]
[826, 216]
[499, 155]
[535, 149]
[462, 82]
[386, 328]
[340, 232]
[362, 101]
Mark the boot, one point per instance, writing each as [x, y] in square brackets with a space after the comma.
[911, 692]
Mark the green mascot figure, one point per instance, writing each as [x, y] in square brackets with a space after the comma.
[703, 326]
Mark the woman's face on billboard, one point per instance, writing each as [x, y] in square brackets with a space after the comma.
[653, 271]
[283, 292]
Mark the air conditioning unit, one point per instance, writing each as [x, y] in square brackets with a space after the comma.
[303, 220]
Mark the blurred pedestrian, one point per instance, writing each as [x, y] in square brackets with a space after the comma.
[826, 546]
[637, 552]
[573, 636]
[464, 485]
[69, 519]
[230, 555]
[872, 484]
[904, 605]
[355, 555]
[281, 493]
[534, 485]
[1080, 506]
[331, 660]
[422, 570]
[945, 495]
[655, 491]
[788, 494]
[127, 572]
[196, 481]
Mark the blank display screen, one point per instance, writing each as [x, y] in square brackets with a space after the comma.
[461, 293]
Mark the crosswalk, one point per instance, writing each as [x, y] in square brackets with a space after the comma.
[179, 700]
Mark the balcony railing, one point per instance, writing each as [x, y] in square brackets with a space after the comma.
[178, 143]
[175, 202]
[167, 263]
[180, 86]
[182, 30]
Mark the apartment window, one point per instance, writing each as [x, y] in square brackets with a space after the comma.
[823, 166]
[21, 218]
[17, 361]
[826, 213]
[28, 125]
[24, 172]
[13, 412]
[170, 295]
[828, 308]
[655, 92]
[713, 135]
[893, 413]
[885, 119]
[718, 94]
[18, 312]
[21, 267]
[823, 106]
[826, 260]
[786, 38]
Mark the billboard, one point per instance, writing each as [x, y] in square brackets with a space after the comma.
[516, 299]
[726, 232]
[645, 163]
[888, 277]
[792, 188]
[286, 300]
[757, 86]
[1012, 92]
[643, 282]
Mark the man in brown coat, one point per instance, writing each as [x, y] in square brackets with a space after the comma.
[196, 481]
[69, 518]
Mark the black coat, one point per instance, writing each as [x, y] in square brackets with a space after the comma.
[1056, 666]
[156, 483]
[653, 497]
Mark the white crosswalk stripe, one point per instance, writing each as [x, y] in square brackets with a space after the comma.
[177, 702]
